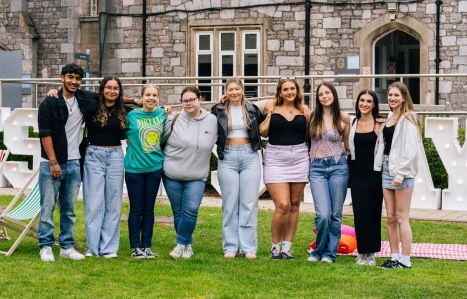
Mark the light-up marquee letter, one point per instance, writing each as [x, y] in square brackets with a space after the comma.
[443, 132]
[16, 138]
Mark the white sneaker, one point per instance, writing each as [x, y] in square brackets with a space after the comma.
[370, 259]
[312, 259]
[178, 251]
[71, 254]
[109, 255]
[88, 254]
[187, 252]
[326, 260]
[46, 254]
[361, 259]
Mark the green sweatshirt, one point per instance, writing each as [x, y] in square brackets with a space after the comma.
[145, 129]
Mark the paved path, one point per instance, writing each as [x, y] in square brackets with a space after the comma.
[308, 208]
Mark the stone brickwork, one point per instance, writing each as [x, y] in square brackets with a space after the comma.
[333, 32]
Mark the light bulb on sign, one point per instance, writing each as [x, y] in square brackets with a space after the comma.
[14, 169]
[423, 198]
[29, 146]
[459, 199]
[420, 181]
[30, 115]
[15, 123]
[459, 182]
[440, 128]
[454, 164]
[447, 145]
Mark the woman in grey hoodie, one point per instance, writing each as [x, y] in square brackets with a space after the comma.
[191, 135]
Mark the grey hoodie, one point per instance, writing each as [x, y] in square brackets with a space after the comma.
[189, 146]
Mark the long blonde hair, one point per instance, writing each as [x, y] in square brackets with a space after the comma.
[407, 108]
[242, 102]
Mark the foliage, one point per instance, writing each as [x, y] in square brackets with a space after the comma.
[207, 274]
[23, 158]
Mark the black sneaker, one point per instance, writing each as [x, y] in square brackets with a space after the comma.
[149, 254]
[275, 254]
[287, 255]
[389, 264]
[401, 265]
[138, 254]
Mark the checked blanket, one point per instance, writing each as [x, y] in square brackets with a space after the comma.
[429, 250]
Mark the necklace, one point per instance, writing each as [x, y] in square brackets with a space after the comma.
[110, 113]
[70, 105]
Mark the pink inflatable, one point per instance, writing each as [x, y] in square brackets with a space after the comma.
[345, 229]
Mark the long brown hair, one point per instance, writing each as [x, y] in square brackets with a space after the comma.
[119, 110]
[407, 108]
[242, 103]
[316, 123]
[298, 102]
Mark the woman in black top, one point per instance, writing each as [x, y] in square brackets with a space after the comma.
[365, 183]
[286, 163]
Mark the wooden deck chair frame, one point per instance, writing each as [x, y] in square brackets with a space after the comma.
[3, 232]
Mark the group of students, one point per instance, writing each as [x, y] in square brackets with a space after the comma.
[303, 146]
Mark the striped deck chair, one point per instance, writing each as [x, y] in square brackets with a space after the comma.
[29, 208]
[3, 157]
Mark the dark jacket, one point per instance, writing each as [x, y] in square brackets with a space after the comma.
[53, 115]
[255, 117]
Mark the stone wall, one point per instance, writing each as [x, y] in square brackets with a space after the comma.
[333, 32]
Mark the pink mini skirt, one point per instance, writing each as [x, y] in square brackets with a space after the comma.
[286, 164]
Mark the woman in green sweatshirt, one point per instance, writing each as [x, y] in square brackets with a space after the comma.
[143, 169]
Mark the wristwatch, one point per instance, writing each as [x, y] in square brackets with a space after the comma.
[52, 164]
[136, 100]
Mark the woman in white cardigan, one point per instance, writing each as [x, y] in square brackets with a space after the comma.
[396, 155]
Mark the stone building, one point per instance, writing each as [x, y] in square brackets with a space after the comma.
[247, 37]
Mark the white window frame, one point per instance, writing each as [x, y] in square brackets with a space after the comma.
[211, 51]
[252, 51]
[228, 52]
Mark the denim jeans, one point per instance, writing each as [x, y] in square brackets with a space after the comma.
[66, 188]
[185, 198]
[142, 191]
[328, 182]
[239, 178]
[102, 192]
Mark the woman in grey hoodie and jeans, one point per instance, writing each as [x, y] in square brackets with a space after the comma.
[191, 135]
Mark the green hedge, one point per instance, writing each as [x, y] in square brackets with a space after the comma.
[438, 172]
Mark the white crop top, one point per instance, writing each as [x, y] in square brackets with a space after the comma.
[239, 129]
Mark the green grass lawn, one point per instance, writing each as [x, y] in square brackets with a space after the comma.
[208, 274]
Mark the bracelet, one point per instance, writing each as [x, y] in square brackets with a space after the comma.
[52, 164]
[136, 101]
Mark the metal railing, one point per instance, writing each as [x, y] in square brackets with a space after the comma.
[216, 81]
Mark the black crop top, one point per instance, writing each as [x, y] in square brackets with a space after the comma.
[108, 135]
[388, 133]
[284, 132]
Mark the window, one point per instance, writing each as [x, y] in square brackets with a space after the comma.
[93, 8]
[204, 55]
[237, 53]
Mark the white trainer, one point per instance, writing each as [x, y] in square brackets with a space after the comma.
[178, 251]
[47, 254]
[110, 255]
[370, 259]
[326, 260]
[361, 259]
[187, 252]
[71, 254]
[88, 254]
[312, 259]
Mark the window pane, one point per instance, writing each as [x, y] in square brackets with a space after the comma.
[227, 65]
[251, 69]
[250, 41]
[205, 42]
[204, 70]
[227, 41]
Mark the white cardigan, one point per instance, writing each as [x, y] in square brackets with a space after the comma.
[403, 158]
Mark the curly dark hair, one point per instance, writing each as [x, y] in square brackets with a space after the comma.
[73, 68]
[102, 114]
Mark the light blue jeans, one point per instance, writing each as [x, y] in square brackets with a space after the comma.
[66, 188]
[239, 178]
[102, 193]
[185, 198]
[328, 182]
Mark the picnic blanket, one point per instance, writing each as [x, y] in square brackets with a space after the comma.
[429, 250]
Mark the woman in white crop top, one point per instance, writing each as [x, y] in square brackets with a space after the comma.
[239, 170]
